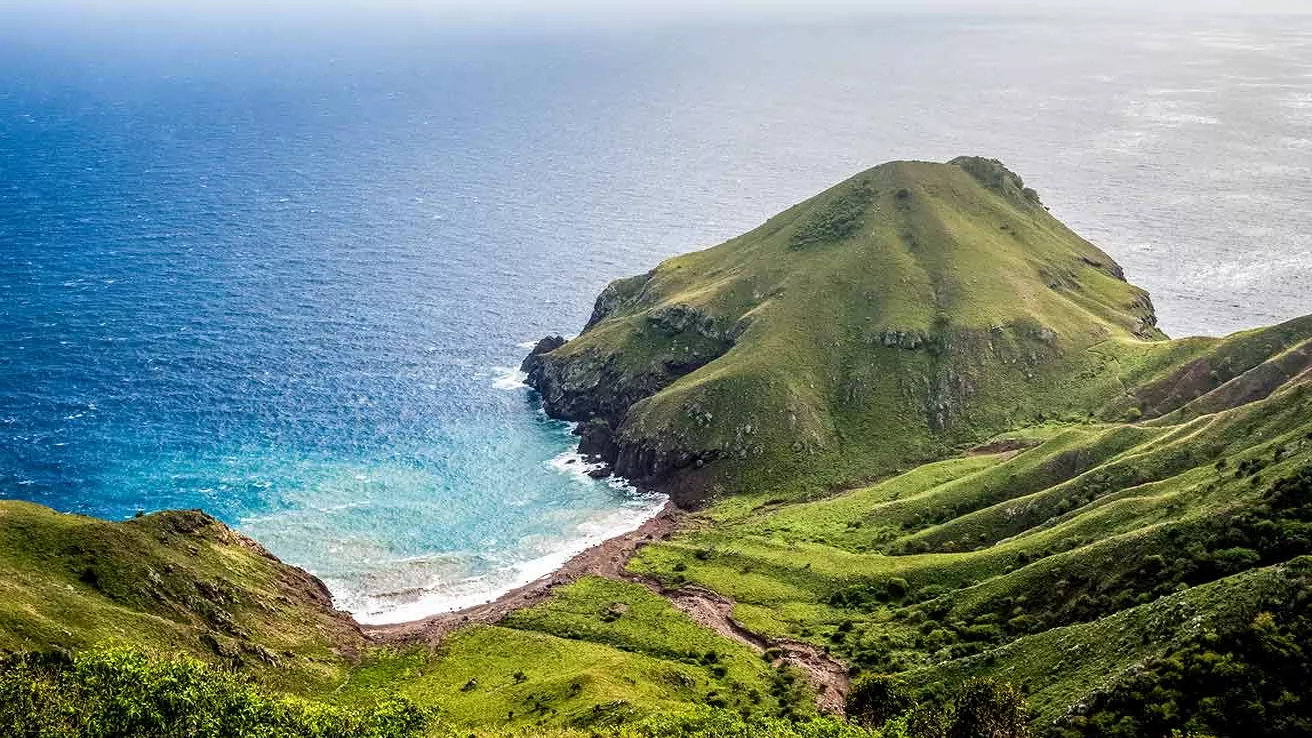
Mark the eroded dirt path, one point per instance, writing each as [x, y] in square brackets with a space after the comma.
[827, 674]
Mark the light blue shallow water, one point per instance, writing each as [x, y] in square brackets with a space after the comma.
[283, 275]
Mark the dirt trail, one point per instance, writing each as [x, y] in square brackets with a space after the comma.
[827, 674]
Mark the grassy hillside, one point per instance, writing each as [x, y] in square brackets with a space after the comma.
[1050, 565]
[934, 304]
[174, 582]
[183, 583]
[1087, 479]
[598, 652]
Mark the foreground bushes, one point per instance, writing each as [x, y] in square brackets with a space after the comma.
[981, 708]
[120, 693]
[726, 724]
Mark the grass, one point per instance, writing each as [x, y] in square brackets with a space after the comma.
[597, 651]
[171, 582]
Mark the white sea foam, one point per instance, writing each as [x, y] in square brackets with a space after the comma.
[509, 378]
[439, 597]
[576, 465]
[352, 505]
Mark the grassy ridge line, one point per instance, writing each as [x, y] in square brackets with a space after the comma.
[1176, 460]
[1163, 379]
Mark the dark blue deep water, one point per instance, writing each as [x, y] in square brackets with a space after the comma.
[285, 274]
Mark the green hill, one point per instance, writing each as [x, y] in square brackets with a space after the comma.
[930, 304]
[172, 582]
[1024, 563]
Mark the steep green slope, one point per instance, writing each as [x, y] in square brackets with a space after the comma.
[1030, 564]
[176, 581]
[906, 311]
[1196, 376]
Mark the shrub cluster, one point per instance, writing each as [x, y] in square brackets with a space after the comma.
[1250, 681]
[981, 708]
[121, 693]
[836, 219]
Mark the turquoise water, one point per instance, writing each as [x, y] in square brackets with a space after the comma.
[284, 275]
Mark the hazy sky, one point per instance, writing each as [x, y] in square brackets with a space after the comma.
[638, 10]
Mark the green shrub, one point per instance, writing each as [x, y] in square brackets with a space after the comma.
[715, 723]
[837, 219]
[897, 588]
[121, 693]
[984, 708]
[1250, 681]
[875, 699]
[927, 720]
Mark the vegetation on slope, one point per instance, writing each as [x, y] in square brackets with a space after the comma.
[121, 692]
[597, 652]
[175, 582]
[1062, 567]
[934, 304]
[183, 583]
[117, 692]
[1249, 679]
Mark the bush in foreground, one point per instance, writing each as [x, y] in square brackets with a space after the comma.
[121, 693]
[981, 708]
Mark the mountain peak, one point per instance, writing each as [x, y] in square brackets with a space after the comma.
[997, 177]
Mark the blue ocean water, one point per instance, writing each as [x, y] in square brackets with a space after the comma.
[284, 274]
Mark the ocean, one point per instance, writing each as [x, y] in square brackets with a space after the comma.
[286, 275]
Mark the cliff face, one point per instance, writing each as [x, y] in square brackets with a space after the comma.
[596, 388]
[935, 304]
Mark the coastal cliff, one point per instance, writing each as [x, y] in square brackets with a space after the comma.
[178, 580]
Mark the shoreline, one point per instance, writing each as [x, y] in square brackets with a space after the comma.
[827, 675]
[607, 558]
